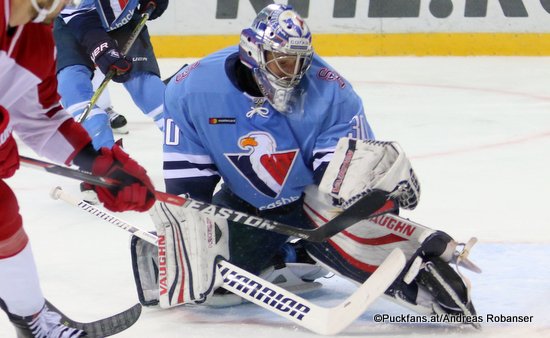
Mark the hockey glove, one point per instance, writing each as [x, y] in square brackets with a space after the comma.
[135, 190]
[160, 7]
[9, 156]
[107, 57]
[360, 166]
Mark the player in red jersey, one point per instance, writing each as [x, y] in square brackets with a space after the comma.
[29, 106]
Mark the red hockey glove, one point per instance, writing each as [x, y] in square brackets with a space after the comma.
[9, 156]
[135, 192]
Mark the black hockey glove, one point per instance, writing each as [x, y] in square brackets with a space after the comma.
[106, 55]
[160, 7]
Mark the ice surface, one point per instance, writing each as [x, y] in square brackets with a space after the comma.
[478, 132]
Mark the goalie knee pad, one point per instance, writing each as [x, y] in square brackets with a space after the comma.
[146, 269]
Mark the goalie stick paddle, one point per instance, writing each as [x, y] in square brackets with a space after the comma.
[321, 320]
[131, 39]
[371, 205]
[105, 327]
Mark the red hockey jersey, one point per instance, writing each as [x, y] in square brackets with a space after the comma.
[28, 90]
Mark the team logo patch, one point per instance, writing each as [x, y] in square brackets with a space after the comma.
[262, 165]
[222, 120]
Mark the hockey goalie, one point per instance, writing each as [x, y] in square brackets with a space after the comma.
[183, 268]
[290, 139]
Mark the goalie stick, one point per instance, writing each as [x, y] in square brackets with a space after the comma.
[321, 320]
[374, 204]
[105, 327]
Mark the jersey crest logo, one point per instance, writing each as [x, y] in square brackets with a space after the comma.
[262, 165]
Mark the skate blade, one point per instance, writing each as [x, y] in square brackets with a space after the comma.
[121, 131]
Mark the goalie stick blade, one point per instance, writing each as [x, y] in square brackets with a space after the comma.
[105, 327]
[321, 320]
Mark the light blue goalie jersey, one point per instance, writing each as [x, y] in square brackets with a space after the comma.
[264, 157]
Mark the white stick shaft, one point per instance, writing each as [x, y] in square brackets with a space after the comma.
[58, 193]
[321, 320]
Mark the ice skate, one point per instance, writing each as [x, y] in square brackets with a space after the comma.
[118, 121]
[44, 324]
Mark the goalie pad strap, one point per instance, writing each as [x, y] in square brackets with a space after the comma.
[145, 269]
[189, 245]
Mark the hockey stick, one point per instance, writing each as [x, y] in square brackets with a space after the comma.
[131, 39]
[371, 205]
[165, 81]
[105, 327]
[321, 320]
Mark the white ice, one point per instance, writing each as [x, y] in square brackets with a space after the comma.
[478, 132]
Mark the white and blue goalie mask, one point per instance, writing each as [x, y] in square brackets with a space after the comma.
[277, 47]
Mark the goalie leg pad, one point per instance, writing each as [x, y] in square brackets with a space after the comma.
[189, 246]
[146, 270]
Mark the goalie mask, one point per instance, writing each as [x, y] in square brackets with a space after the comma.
[277, 48]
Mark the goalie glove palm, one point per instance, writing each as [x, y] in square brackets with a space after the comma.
[360, 166]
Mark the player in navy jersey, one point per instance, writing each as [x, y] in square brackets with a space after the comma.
[93, 34]
[275, 122]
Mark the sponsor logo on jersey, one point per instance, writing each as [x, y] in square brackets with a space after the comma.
[280, 202]
[330, 75]
[262, 165]
[222, 120]
[121, 21]
[185, 72]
